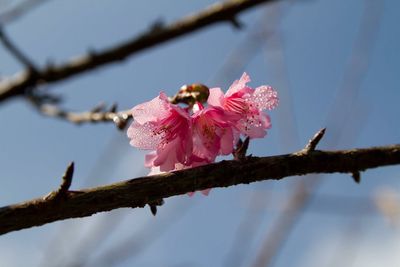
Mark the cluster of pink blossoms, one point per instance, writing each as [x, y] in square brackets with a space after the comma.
[187, 137]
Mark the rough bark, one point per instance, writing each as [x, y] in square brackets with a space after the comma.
[146, 190]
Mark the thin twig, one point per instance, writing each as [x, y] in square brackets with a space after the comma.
[312, 144]
[217, 13]
[16, 52]
[120, 119]
[19, 10]
[141, 191]
[62, 191]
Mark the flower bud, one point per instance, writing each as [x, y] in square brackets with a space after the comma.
[191, 93]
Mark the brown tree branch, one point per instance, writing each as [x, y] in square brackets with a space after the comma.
[47, 104]
[143, 190]
[119, 118]
[220, 12]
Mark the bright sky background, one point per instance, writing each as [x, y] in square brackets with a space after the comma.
[309, 54]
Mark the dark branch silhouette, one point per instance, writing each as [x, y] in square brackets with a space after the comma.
[18, 54]
[19, 10]
[221, 12]
[138, 192]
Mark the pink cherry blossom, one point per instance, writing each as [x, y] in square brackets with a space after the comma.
[213, 132]
[166, 128]
[184, 138]
[247, 102]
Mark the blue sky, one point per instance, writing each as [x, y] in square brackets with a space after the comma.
[306, 58]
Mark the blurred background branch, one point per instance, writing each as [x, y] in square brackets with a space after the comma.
[319, 39]
[352, 78]
[219, 12]
[96, 115]
[18, 54]
[17, 11]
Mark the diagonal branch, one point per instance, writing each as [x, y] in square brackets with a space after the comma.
[19, 10]
[144, 190]
[18, 54]
[220, 12]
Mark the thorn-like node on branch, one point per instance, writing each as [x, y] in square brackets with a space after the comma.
[113, 107]
[62, 191]
[312, 144]
[356, 176]
[98, 108]
[236, 23]
[153, 206]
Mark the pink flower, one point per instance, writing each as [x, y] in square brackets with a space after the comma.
[248, 103]
[213, 132]
[195, 136]
[166, 128]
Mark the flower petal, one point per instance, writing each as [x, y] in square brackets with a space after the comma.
[265, 97]
[144, 136]
[227, 140]
[167, 156]
[152, 110]
[255, 127]
[216, 97]
[149, 162]
[204, 146]
[238, 84]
